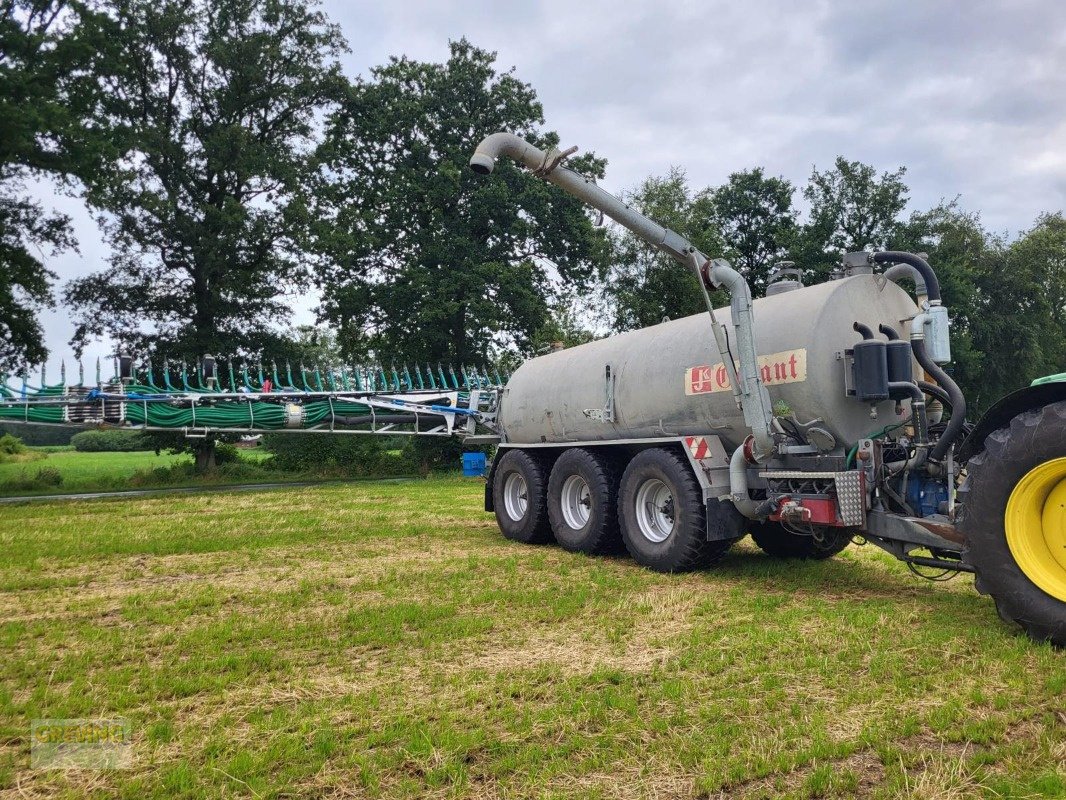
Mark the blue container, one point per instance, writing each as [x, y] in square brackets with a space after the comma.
[473, 465]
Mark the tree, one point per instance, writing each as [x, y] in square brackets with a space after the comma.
[25, 282]
[645, 284]
[46, 56]
[428, 260]
[1020, 320]
[213, 109]
[851, 209]
[309, 345]
[757, 222]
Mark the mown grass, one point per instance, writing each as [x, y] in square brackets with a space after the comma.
[382, 640]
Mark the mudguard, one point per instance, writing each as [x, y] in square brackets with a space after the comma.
[1006, 409]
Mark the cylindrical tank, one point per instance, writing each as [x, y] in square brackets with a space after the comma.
[669, 379]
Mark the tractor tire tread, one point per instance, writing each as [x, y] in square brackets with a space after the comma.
[1008, 454]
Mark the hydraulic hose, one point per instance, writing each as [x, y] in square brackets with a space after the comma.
[921, 421]
[932, 285]
[935, 391]
[956, 400]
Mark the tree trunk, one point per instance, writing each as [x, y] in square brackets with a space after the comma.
[205, 456]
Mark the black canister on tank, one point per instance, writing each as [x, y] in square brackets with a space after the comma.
[870, 367]
[900, 358]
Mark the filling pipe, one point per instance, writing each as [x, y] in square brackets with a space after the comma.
[898, 272]
[918, 263]
[748, 389]
[738, 485]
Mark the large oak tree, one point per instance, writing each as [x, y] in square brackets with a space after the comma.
[213, 107]
[429, 260]
[48, 58]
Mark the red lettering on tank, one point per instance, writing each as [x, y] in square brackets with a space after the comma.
[721, 377]
[701, 380]
[775, 368]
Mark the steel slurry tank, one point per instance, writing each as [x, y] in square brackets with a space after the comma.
[669, 379]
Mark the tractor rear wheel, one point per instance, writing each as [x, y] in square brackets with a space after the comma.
[664, 519]
[1014, 520]
[519, 489]
[776, 540]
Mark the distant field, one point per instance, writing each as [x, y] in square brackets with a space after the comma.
[84, 472]
[382, 640]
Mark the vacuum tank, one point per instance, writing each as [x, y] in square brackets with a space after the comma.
[669, 381]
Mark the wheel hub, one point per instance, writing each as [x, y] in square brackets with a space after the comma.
[515, 496]
[576, 502]
[1035, 524]
[655, 510]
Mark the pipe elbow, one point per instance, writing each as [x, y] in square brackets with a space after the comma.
[915, 262]
[738, 485]
[483, 161]
[898, 272]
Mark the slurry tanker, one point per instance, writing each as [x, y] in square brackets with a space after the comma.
[809, 418]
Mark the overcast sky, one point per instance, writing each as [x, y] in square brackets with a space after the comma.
[969, 96]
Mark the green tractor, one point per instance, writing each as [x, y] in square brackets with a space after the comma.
[1014, 512]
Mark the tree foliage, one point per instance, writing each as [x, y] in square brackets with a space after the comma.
[25, 281]
[645, 285]
[47, 56]
[851, 209]
[757, 222]
[213, 109]
[430, 261]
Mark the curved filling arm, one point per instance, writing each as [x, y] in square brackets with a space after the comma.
[748, 389]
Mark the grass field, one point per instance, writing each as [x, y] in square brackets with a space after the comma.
[92, 472]
[89, 471]
[382, 640]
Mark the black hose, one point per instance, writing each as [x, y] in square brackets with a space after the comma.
[890, 333]
[921, 420]
[932, 285]
[383, 419]
[955, 399]
[935, 391]
[864, 330]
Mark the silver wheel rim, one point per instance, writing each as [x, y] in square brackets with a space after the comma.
[655, 510]
[515, 496]
[575, 502]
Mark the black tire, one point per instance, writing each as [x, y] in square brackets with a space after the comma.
[530, 485]
[1031, 439]
[684, 545]
[776, 540]
[595, 478]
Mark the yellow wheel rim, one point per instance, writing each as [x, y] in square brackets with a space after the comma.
[1036, 526]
